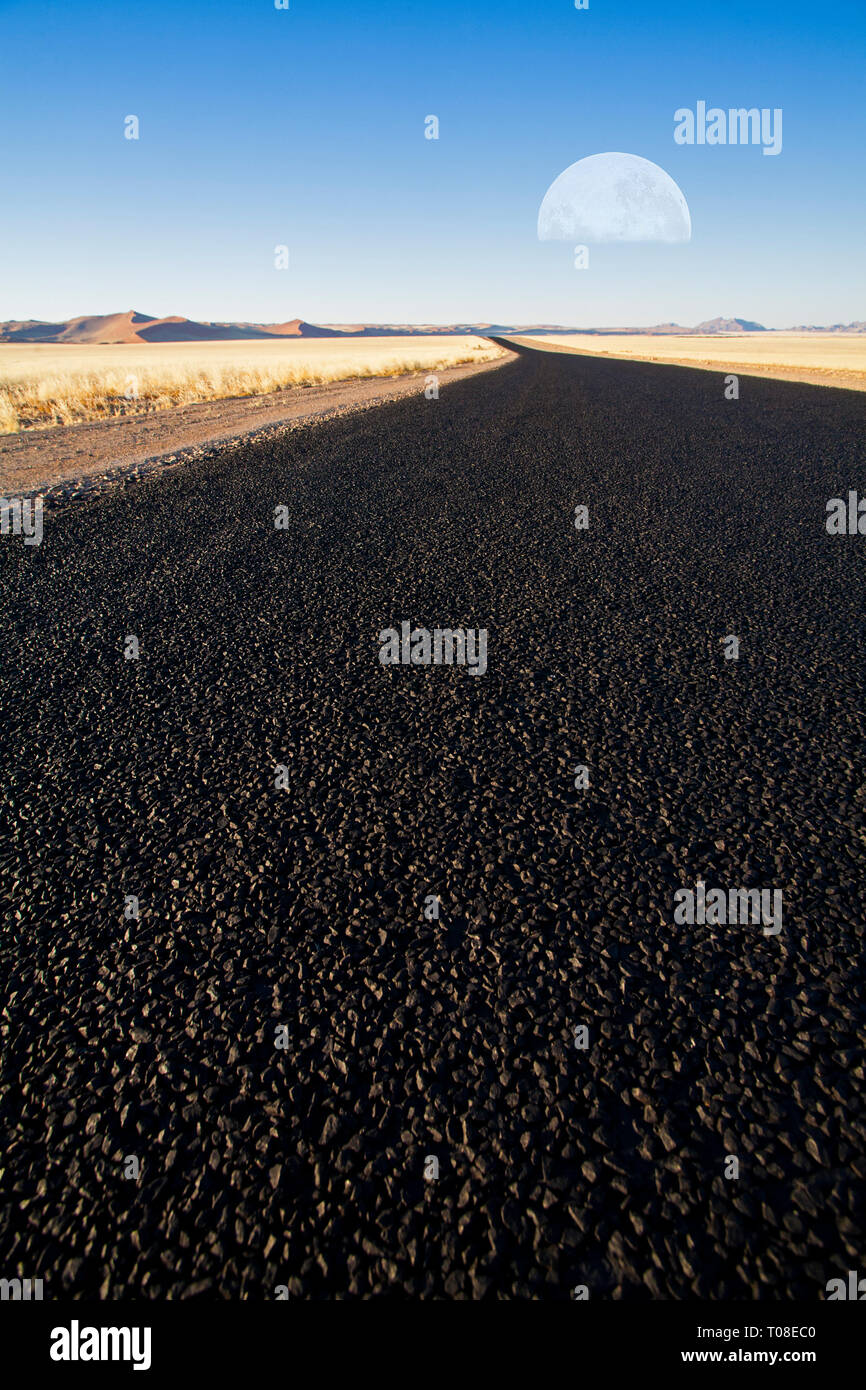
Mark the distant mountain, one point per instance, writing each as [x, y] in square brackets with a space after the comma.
[135, 327]
[709, 326]
[858, 326]
[729, 326]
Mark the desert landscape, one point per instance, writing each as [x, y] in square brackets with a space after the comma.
[433, 802]
[106, 367]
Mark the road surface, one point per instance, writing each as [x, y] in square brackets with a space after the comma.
[297, 914]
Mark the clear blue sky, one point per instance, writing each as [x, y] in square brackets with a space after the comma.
[306, 127]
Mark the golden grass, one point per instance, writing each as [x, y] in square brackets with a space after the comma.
[43, 385]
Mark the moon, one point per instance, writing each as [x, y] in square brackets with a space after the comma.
[614, 197]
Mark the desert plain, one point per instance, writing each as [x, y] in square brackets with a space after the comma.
[820, 359]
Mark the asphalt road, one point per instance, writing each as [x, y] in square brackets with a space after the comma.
[302, 1168]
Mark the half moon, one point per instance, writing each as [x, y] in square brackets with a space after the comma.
[614, 197]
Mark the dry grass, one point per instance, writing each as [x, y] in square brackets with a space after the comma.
[44, 385]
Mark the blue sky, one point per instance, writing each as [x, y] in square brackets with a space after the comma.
[305, 127]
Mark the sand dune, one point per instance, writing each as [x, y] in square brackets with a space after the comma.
[135, 327]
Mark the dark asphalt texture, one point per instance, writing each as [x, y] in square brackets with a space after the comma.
[304, 1167]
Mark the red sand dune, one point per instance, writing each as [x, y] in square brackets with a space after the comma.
[133, 327]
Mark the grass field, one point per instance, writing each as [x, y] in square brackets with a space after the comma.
[42, 385]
